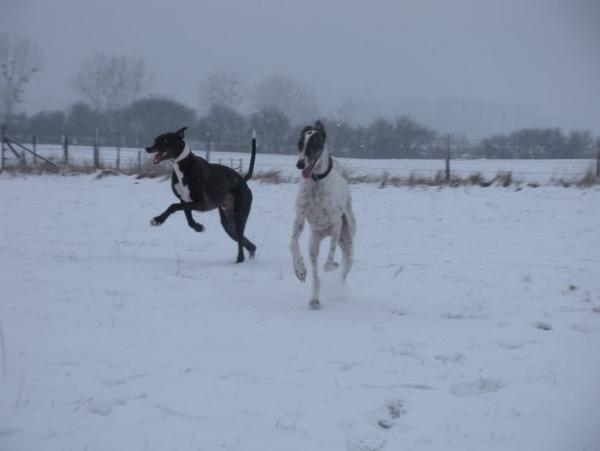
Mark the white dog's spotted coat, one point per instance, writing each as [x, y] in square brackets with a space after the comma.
[326, 205]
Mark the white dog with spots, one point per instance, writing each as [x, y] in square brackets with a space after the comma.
[324, 201]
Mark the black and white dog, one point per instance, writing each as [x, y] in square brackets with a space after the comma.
[324, 201]
[202, 186]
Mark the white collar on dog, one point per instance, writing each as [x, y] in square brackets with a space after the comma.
[184, 153]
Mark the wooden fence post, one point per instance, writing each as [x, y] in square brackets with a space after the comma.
[2, 146]
[23, 157]
[66, 149]
[241, 166]
[97, 149]
[207, 145]
[598, 163]
[448, 157]
[139, 160]
[34, 146]
[119, 156]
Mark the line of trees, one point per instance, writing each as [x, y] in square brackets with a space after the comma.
[224, 128]
[115, 109]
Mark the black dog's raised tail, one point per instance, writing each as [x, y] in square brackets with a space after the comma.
[252, 157]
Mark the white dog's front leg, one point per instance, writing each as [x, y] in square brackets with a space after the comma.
[330, 264]
[298, 261]
[313, 251]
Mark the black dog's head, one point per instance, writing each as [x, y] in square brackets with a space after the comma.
[167, 145]
[310, 147]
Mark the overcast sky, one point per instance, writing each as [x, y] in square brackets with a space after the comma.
[541, 55]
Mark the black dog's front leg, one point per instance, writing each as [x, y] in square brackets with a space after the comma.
[158, 220]
[193, 224]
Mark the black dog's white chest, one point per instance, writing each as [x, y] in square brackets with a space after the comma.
[179, 186]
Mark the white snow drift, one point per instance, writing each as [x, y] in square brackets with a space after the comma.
[471, 321]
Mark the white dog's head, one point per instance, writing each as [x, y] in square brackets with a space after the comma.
[310, 148]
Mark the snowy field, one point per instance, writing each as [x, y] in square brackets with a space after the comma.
[471, 321]
[541, 171]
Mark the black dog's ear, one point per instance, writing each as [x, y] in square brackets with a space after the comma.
[181, 132]
[320, 128]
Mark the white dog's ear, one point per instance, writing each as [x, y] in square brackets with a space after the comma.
[181, 132]
[320, 128]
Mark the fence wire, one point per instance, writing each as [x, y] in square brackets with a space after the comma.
[135, 159]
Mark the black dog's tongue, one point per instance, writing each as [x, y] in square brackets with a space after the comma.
[158, 157]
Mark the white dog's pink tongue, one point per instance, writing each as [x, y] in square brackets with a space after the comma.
[307, 171]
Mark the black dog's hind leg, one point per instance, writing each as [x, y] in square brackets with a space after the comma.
[243, 202]
[240, 225]
[193, 224]
[228, 221]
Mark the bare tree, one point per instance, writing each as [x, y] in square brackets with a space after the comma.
[20, 60]
[220, 88]
[289, 96]
[110, 82]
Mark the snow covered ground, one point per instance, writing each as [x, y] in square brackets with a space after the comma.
[541, 171]
[471, 321]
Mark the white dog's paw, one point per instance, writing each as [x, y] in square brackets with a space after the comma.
[314, 304]
[331, 266]
[300, 270]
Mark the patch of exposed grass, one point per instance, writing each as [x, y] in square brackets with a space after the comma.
[272, 177]
[275, 176]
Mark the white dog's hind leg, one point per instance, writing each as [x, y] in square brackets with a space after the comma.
[347, 244]
[330, 264]
[313, 250]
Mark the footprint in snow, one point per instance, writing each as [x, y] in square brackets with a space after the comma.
[7, 432]
[511, 344]
[586, 328]
[369, 435]
[101, 407]
[450, 358]
[542, 325]
[393, 411]
[477, 388]
[104, 407]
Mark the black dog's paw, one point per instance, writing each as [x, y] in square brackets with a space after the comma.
[156, 221]
[198, 227]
